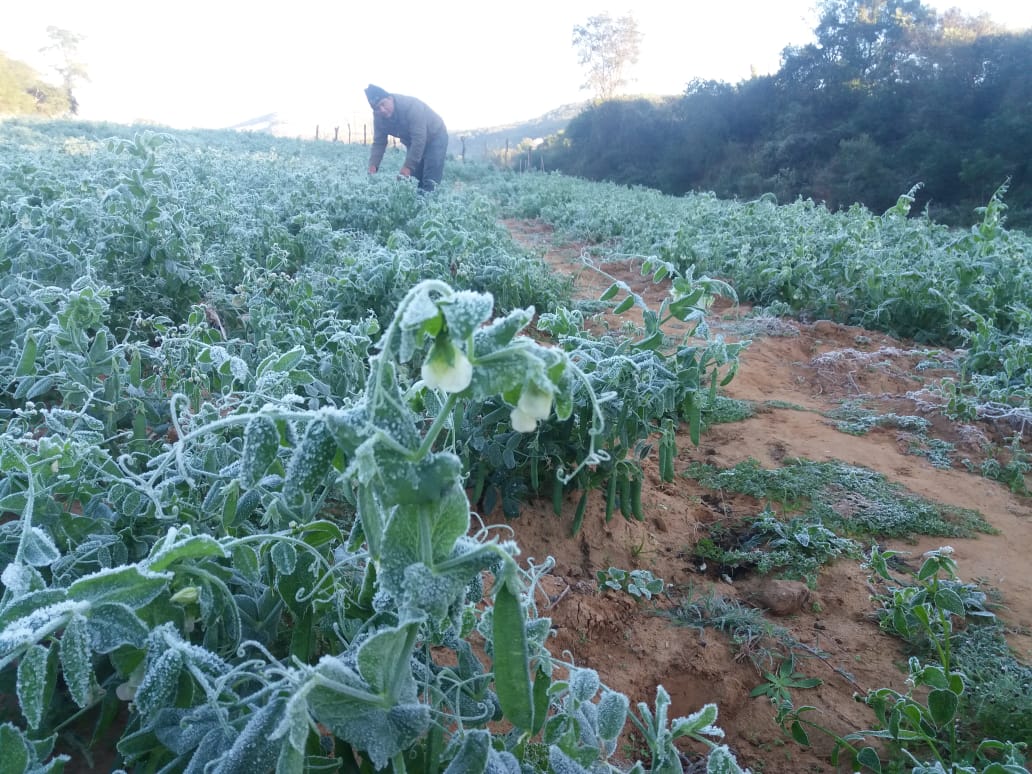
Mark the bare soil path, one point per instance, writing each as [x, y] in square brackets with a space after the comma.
[799, 372]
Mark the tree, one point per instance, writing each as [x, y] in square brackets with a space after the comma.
[65, 48]
[606, 48]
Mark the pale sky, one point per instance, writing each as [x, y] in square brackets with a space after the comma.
[217, 63]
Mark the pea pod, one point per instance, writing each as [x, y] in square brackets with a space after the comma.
[261, 442]
[511, 657]
[625, 497]
[665, 461]
[479, 481]
[624, 305]
[610, 496]
[667, 453]
[135, 369]
[242, 507]
[636, 509]
[557, 496]
[27, 362]
[310, 462]
[578, 516]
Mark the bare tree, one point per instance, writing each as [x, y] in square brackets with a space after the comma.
[606, 48]
[64, 49]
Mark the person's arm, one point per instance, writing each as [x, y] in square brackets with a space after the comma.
[379, 145]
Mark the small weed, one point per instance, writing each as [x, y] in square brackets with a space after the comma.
[843, 498]
[938, 452]
[782, 404]
[999, 687]
[852, 418]
[723, 410]
[638, 583]
[1009, 467]
[795, 549]
[777, 683]
[752, 635]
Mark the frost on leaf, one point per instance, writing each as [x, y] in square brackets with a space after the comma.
[113, 625]
[722, 761]
[699, 723]
[561, 763]
[502, 763]
[183, 729]
[20, 579]
[28, 629]
[612, 715]
[127, 585]
[32, 684]
[76, 661]
[584, 683]
[501, 331]
[465, 310]
[160, 682]
[335, 701]
[38, 549]
[254, 750]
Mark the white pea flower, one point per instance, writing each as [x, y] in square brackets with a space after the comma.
[522, 422]
[447, 368]
[535, 402]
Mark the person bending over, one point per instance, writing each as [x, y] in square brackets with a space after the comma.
[420, 130]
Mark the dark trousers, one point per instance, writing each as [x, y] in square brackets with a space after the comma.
[430, 169]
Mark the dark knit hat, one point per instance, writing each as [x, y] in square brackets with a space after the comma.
[374, 94]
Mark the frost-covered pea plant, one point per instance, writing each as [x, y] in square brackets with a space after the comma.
[298, 589]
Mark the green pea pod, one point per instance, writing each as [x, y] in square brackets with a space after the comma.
[578, 516]
[667, 452]
[636, 509]
[261, 443]
[651, 343]
[211, 498]
[542, 682]
[625, 497]
[27, 362]
[624, 305]
[512, 657]
[136, 369]
[557, 496]
[480, 481]
[238, 510]
[310, 463]
[610, 496]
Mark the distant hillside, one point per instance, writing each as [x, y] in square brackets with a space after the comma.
[484, 143]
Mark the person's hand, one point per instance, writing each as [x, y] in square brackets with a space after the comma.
[372, 169]
[405, 172]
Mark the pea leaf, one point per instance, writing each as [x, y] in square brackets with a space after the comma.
[76, 663]
[32, 684]
[128, 585]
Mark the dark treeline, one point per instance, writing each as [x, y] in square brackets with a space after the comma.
[891, 95]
